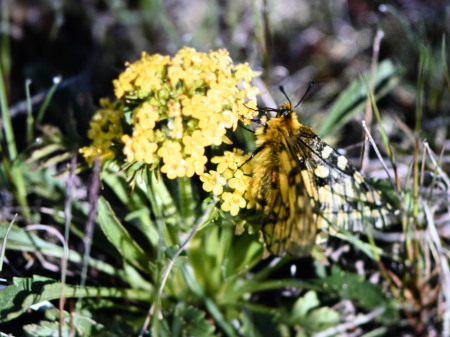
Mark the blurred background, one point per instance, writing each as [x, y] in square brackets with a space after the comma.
[291, 42]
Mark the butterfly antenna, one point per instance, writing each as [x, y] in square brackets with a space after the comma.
[306, 93]
[285, 95]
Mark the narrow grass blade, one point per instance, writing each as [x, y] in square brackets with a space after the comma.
[353, 99]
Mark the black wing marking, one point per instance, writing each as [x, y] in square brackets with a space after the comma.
[341, 194]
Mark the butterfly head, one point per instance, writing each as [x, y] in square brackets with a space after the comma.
[285, 110]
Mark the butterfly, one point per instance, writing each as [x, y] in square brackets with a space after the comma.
[304, 186]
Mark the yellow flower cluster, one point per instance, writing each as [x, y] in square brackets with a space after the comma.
[105, 130]
[231, 181]
[175, 107]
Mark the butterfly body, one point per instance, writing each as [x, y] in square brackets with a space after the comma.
[304, 186]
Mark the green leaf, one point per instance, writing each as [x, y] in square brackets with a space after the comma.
[135, 201]
[252, 286]
[321, 319]
[187, 200]
[3, 241]
[193, 322]
[354, 287]
[121, 239]
[354, 98]
[82, 323]
[305, 304]
[258, 324]
[24, 292]
[44, 329]
[307, 314]
[26, 241]
[186, 321]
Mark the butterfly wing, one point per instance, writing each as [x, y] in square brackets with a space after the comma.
[309, 187]
[340, 193]
[303, 185]
[291, 223]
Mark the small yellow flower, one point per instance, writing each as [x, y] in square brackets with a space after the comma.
[145, 117]
[195, 144]
[233, 202]
[231, 181]
[173, 169]
[240, 182]
[213, 182]
[139, 148]
[174, 109]
[195, 165]
[229, 160]
[176, 127]
[170, 152]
